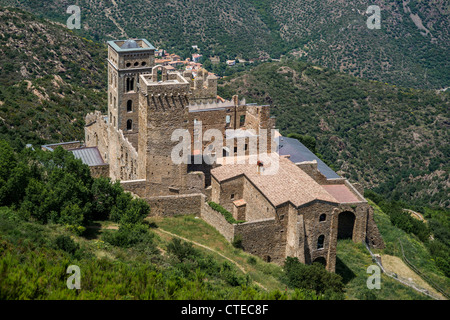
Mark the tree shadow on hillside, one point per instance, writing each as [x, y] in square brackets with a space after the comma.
[92, 231]
[345, 272]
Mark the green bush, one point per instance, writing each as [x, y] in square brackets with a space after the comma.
[56, 187]
[129, 235]
[251, 260]
[182, 250]
[312, 277]
[66, 244]
[237, 242]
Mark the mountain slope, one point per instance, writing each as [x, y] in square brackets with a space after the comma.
[49, 80]
[410, 49]
[386, 137]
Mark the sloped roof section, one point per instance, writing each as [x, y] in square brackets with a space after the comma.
[90, 156]
[288, 184]
[341, 192]
[299, 153]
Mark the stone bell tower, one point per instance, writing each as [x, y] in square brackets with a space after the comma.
[127, 60]
[163, 100]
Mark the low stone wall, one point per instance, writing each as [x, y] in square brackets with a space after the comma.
[168, 206]
[262, 238]
[64, 145]
[138, 187]
[217, 220]
[373, 235]
[100, 171]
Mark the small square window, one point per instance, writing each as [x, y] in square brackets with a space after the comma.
[232, 196]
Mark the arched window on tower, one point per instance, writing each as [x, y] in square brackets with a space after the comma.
[322, 217]
[129, 124]
[130, 84]
[129, 106]
[320, 241]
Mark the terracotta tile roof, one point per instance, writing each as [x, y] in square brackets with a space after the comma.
[288, 183]
[341, 192]
[240, 203]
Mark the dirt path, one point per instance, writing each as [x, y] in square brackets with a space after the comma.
[108, 13]
[396, 265]
[210, 249]
[415, 214]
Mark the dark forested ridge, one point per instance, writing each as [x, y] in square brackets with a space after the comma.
[410, 49]
[389, 138]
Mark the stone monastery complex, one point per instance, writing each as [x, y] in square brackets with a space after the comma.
[299, 210]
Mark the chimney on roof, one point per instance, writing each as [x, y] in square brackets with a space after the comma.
[236, 100]
[260, 165]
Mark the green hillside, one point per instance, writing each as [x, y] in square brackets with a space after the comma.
[54, 214]
[410, 49]
[389, 138]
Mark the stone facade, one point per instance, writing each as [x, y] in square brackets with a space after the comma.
[300, 224]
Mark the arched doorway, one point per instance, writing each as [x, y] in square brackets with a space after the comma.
[346, 222]
[321, 260]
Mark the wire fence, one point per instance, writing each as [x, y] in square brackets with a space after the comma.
[402, 280]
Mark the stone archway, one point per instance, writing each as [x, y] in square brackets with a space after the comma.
[346, 223]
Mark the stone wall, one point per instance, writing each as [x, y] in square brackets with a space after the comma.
[168, 206]
[217, 220]
[99, 171]
[314, 228]
[264, 238]
[258, 207]
[137, 187]
[373, 236]
[162, 110]
[113, 146]
[229, 191]
[66, 145]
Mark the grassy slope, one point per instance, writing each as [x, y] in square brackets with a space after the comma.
[199, 231]
[353, 260]
[32, 268]
[415, 251]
